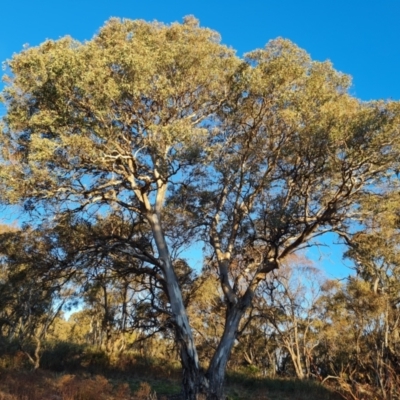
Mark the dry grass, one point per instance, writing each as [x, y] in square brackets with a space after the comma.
[45, 385]
[89, 375]
[41, 385]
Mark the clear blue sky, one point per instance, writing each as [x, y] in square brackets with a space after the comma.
[360, 37]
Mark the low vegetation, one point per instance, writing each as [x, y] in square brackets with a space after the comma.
[132, 378]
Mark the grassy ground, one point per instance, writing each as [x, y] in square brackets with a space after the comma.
[89, 375]
[242, 387]
[47, 385]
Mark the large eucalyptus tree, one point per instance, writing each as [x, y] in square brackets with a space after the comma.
[252, 156]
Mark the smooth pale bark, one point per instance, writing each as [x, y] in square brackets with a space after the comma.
[194, 381]
[217, 368]
[35, 359]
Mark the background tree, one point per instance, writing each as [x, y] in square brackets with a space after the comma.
[33, 290]
[374, 296]
[291, 296]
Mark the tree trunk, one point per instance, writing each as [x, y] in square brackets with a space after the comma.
[217, 368]
[35, 358]
[193, 381]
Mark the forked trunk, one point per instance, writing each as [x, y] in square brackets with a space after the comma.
[196, 384]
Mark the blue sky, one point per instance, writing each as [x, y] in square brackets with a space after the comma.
[360, 37]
